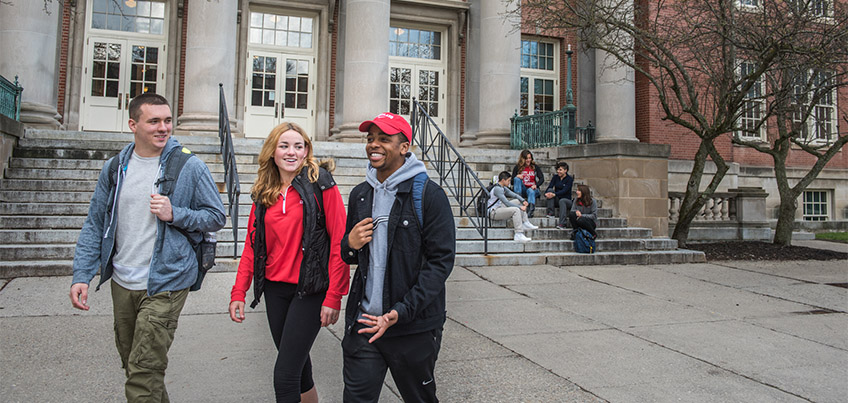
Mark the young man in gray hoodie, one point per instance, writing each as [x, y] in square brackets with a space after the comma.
[131, 236]
[396, 307]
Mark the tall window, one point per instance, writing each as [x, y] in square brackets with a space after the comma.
[280, 30]
[815, 205]
[141, 16]
[751, 115]
[816, 86]
[416, 70]
[416, 43]
[539, 77]
[815, 8]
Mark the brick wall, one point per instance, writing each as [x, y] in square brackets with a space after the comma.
[65, 33]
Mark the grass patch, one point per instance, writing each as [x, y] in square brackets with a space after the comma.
[833, 236]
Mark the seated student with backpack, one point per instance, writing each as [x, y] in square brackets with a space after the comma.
[500, 208]
[584, 212]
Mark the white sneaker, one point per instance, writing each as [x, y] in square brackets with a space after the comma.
[529, 225]
[520, 237]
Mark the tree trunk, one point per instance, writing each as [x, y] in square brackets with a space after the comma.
[694, 200]
[785, 219]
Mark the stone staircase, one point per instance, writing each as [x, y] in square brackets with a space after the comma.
[46, 189]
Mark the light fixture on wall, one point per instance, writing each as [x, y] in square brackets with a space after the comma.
[130, 3]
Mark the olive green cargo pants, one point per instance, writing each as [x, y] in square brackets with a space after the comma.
[144, 331]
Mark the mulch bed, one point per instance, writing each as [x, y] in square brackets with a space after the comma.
[751, 250]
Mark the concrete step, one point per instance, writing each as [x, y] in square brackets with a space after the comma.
[44, 209]
[553, 234]
[227, 264]
[64, 249]
[36, 222]
[42, 236]
[582, 259]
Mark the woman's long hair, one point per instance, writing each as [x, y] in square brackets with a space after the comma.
[522, 159]
[585, 195]
[268, 184]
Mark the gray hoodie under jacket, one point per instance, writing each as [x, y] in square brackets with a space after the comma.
[384, 199]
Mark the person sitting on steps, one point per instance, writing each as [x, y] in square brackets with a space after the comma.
[527, 179]
[584, 212]
[500, 208]
[559, 193]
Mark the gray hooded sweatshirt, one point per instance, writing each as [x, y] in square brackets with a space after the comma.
[384, 199]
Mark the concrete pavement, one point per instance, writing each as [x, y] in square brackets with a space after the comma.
[715, 332]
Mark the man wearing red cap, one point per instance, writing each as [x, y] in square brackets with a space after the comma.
[396, 308]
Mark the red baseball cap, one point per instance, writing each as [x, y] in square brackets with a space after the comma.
[390, 124]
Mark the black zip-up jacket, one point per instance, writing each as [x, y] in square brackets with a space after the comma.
[418, 261]
[314, 275]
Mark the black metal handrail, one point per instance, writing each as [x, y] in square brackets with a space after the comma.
[230, 172]
[454, 173]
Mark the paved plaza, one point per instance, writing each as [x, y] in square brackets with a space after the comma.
[716, 332]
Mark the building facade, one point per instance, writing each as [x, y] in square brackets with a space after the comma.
[330, 64]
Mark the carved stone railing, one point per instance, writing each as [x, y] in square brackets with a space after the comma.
[735, 214]
[719, 207]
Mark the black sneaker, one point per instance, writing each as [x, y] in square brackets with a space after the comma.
[562, 227]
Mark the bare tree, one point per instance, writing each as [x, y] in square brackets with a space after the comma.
[799, 95]
[703, 58]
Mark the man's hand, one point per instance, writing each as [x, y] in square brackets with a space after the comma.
[161, 207]
[533, 187]
[329, 316]
[79, 296]
[379, 324]
[237, 311]
[361, 233]
[549, 195]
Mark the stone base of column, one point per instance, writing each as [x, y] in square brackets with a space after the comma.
[617, 140]
[348, 133]
[467, 139]
[492, 139]
[40, 116]
[630, 177]
[199, 122]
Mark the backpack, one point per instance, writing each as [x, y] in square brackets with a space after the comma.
[419, 183]
[584, 242]
[483, 200]
[205, 248]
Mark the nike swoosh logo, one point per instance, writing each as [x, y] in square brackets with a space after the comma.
[425, 383]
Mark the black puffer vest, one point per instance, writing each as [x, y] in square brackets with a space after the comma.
[314, 274]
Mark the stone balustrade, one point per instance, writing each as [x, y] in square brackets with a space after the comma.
[736, 214]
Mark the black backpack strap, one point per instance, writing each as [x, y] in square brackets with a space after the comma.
[176, 160]
[113, 171]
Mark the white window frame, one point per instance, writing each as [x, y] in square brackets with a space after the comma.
[819, 198]
[532, 74]
[825, 8]
[750, 104]
[827, 104]
[416, 64]
[749, 5]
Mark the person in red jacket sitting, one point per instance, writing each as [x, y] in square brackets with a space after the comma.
[292, 255]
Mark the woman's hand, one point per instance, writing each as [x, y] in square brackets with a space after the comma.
[578, 213]
[237, 311]
[329, 316]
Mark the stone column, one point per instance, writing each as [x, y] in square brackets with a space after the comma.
[751, 213]
[615, 100]
[366, 65]
[29, 49]
[498, 74]
[615, 91]
[210, 59]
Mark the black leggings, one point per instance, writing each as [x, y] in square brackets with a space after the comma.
[294, 323]
[582, 222]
